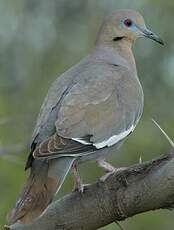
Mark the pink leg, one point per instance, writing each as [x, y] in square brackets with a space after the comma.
[108, 168]
[78, 185]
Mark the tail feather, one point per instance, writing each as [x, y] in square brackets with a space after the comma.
[46, 178]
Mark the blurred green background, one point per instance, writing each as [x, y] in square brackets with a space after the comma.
[41, 39]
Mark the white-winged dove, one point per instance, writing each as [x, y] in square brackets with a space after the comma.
[89, 110]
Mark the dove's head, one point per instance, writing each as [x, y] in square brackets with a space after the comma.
[125, 25]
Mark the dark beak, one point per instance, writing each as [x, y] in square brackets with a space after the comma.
[149, 34]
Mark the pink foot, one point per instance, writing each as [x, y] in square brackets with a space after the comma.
[78, 185]
[108, 168]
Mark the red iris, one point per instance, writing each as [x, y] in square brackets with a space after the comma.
[128, 22]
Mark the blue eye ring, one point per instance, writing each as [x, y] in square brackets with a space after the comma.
[128, 22]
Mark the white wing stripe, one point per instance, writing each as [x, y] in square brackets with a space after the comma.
[109, 142]
[80, 140]
[114, 139]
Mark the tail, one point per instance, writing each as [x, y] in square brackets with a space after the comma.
[46, 178]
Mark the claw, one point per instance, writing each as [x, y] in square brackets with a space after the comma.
[81, 188]
[108, 168]
[107, 175]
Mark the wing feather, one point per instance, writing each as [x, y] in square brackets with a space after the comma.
[57, 146]
[101, 104]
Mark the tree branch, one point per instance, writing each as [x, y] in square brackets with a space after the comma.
[137, 189]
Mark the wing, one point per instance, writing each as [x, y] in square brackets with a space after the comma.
[45, 125]
[99, 110]
[57, 146]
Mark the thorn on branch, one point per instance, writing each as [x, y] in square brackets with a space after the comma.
[164, 133]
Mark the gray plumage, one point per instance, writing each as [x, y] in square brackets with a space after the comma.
[88, 112]
[98, 98]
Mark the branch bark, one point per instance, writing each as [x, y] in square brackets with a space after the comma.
[137, 189]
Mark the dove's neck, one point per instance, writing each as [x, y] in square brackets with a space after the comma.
[118, 54]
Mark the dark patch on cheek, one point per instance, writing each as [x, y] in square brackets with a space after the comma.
[117, 38]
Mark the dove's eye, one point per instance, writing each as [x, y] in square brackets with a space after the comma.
[128, 22]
